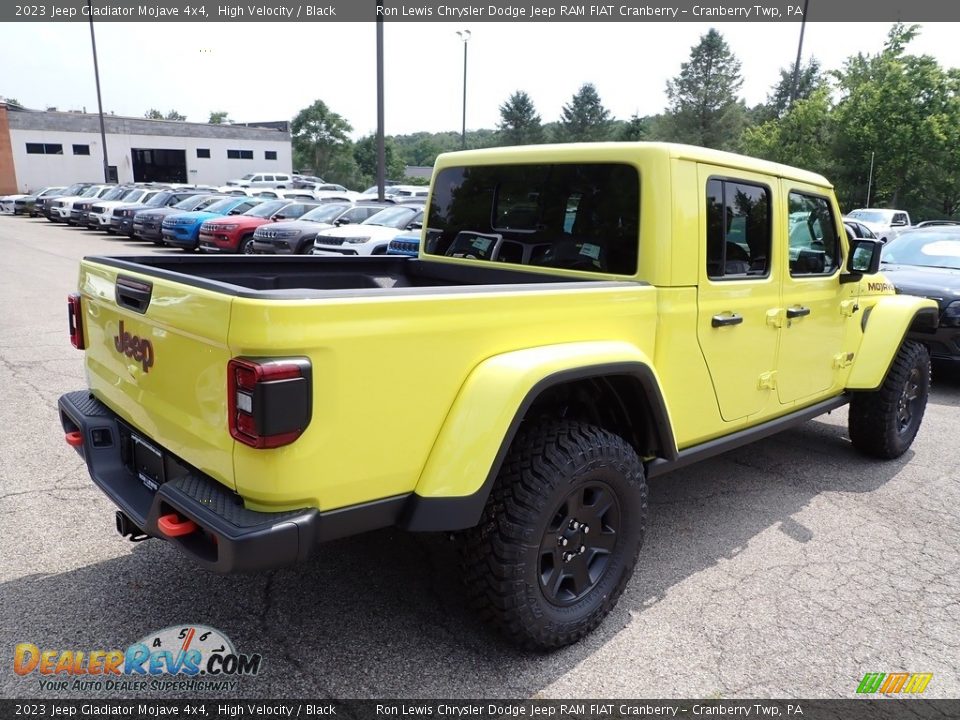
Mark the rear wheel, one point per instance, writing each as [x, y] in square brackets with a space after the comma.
[883, 423]
[246, 245]
[559, 537]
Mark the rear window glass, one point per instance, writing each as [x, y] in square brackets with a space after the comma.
[573, 216]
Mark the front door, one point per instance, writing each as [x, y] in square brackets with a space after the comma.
[813, 323]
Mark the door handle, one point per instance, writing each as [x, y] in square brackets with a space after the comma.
[797, 312]
[724, 320]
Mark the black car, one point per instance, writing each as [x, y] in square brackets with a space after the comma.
[926, 262]
[122, 220]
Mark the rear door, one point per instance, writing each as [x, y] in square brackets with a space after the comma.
[157, 355]
[739, 288]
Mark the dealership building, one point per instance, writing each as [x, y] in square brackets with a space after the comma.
[39, 148]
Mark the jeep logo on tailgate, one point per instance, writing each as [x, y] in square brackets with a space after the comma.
[140, 349]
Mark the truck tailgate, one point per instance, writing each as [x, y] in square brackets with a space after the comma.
[156, 354]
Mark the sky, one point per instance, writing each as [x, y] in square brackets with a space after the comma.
[270, 71]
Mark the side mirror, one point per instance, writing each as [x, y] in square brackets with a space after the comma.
[342, 221]
[864, 259]
[415, 226]
[898, 223]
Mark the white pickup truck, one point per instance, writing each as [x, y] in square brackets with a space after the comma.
[885, 223]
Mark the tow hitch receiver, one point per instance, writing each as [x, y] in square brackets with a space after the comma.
[128, 529]
[172, 526]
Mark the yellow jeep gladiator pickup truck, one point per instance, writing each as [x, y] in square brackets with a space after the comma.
[580, 318]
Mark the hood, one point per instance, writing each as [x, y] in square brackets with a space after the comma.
[374, 232]
[301, 226]
[940, 284]
[242, 221]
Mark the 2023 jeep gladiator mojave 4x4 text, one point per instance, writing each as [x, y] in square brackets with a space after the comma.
[580, 318]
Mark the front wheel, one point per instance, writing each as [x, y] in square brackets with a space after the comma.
[884, 422]
[559, 537]
[246, 246]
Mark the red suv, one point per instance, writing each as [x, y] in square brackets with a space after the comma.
[234, 234]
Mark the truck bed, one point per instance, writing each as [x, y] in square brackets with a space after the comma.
[309, 277]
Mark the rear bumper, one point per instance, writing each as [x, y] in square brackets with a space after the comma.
[229, 538]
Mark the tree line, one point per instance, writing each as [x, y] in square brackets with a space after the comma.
[894, 110]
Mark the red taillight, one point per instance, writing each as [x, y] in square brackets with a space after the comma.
[75, 321]
[269, 401]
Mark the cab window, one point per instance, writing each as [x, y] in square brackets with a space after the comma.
[814, 242]
[738, 230]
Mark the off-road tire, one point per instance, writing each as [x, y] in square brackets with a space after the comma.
[884, 422]
[504, 560]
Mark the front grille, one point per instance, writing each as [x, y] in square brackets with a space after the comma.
[328, 240]
[98, 209]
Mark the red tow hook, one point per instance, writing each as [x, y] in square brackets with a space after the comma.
[74, 439]
[172, 526]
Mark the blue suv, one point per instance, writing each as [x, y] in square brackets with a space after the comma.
[183, 229]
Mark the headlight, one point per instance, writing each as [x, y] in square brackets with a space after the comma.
[951, 316]
[356, 240]
[228, 227]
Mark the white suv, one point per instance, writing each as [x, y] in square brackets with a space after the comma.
[372, 236]
[264, 180]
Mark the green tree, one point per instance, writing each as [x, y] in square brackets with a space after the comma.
[219, 117]
[636, 128]
[153, 114]
[365, 156]
[13, 102]
[704, 108]
[904, 111]
[519, 122]
[584, 118]
[319, 137]
[810, 79]
[174, 115]
[803, 137]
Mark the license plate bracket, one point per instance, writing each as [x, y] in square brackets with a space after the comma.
[147, 463]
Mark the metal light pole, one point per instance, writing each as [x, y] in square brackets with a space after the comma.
[96, 75]
[796, 66]
[465, 36]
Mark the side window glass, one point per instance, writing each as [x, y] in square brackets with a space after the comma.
[738, 230]
[814, 242]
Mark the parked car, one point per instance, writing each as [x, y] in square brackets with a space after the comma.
[101, 212]
[372, 236]
[62, 208]
[45, 205]
[296, 236]
[405, 244]
[235, 235]
[182, 230]
[936, 223]
[123, 217]
[7, 202]
[926, 262]
[885, 223]
[80, 211]
[264, 179]
[301, 181]
[27, 205]
[278, 194]
[148, 224]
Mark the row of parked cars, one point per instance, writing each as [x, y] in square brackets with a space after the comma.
[239, 220]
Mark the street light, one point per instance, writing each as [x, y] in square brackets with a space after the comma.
[465, 36]
[96, 75]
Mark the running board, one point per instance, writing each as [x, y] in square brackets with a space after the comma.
[691, 455]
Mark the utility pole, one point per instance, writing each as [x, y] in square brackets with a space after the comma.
[465, 36]
[796, 66]
[96, 75]
[381, 143]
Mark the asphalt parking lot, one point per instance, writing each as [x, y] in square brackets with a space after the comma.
[788, 568]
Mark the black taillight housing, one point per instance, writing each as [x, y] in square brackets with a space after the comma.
[75, 321]
[269, 400]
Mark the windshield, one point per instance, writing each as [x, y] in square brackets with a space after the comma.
[325, 213]
[265, 210]
[160, 199]
[73, 189]
[134, 196]
[90, 192]
[195, 202]
[395, 217]
[223, 205]
[874, 216]
[927, 249]
[115, 194]
[248, 176]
